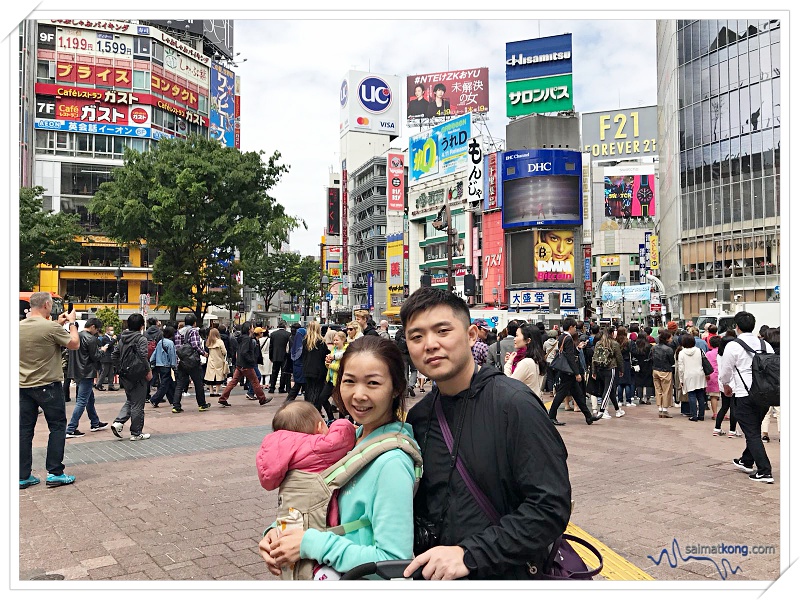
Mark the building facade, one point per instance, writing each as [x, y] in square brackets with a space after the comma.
[719, 101]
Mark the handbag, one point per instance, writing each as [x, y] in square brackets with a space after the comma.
[560, 362]
[562, 561]
[707, 368]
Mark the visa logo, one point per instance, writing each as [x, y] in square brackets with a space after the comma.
[388, 125]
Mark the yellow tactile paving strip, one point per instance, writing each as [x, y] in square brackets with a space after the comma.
[615, 568]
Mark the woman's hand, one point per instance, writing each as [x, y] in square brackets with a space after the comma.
[508, 355]
[287, 550]
[265, 547]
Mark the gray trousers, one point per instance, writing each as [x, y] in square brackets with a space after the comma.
[133, 408]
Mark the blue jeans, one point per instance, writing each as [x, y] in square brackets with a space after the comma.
[51, 400]
[249, 386]
[624, 390]
[697, 403]
[166, 386]
[84, 400]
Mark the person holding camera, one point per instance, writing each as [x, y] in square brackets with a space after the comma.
[481, 427]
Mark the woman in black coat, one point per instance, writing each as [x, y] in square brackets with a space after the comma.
[624, 381]
[642, 366]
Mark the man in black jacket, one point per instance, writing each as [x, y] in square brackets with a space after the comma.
[569, 384]
[82, 369]
[504, 438]
[246, 361]
[278, 344]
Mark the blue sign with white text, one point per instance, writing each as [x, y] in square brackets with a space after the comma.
[539, 57]
[439, 151]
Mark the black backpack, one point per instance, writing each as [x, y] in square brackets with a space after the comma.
[765, 388]
[132, 367]
[189, 358]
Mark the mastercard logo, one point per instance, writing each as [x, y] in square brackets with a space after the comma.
[362, 121]
[139, 116]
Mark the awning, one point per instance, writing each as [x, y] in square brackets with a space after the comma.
[392, 312]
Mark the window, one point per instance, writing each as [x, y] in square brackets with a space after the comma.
[85, 144]
[141, 81]
[83, 179]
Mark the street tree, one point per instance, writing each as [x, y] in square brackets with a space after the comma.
[288, 272]
[45, 237]
[193, 200]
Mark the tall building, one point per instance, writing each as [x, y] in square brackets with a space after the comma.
[719, 161]
[89, 90]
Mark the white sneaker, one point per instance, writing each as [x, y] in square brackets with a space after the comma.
[630, 404]
[619, 413]
[141, 436]
[605, 415]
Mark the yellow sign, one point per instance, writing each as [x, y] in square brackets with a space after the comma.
[654, 252]
[609, 261]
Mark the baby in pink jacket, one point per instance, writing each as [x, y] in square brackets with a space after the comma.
[301, 440]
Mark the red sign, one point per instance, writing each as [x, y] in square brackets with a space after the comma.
[139, 115]
[493, 267]
[88, 111]
[396, 182]
[160, 84]
[94, 74]
[492, 195]
[448, 93]
[344, 218]
[655, 308]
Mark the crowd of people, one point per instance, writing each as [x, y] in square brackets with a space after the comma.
[485, 417]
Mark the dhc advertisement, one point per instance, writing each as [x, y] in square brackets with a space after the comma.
[540, 187]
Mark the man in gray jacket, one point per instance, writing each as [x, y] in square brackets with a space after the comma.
[82, 369]
[497, 351]
[135, 388]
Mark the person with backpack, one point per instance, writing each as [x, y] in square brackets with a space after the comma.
[606, 362]
[130, 357]
[743, 357]
[772, 336]
[480, 426]
[153, 333]
[82, 369]
[189, 349]
[568, 383]
[550, 349]
[246, 360]
[375, 509]
[164, 361]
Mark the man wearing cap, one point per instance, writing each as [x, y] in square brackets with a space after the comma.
[480, 351]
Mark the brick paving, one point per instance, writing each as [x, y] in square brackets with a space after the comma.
[187, 505]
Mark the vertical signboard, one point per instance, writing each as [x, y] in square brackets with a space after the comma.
[334, 218]
[587, 267]
[221, 126]
[475, 172]
[394, 258]
[642, 265]
[370, 292]
[405, 255]
[647, 235]
[654, 252]
[237, 114]
[539, 75]
[491, 182]
[493, 265]
[396, 182]
[344, 221]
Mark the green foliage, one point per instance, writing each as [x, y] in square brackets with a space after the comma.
[44, 237]
[282, 271]
[191, 199]
[109, 316]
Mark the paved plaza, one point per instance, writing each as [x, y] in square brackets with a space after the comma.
[187, 505]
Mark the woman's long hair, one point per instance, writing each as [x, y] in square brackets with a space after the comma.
[535, 347]
[313, 335]
[213, 337]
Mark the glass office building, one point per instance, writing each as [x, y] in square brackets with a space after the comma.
[719, 177]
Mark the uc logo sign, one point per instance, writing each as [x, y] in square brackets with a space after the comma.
[343, 93]
[374, 95]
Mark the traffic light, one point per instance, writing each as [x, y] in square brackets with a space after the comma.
[469, 284]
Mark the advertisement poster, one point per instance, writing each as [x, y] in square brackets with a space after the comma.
[447, 93]
[439, 151]
[222, 116]
[396, 180]
[541, 95]
[370, 103]
[539, 57]
[630, 192]
[628, 133]
[554, 255]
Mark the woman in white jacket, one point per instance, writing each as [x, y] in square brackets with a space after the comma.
[692, 377]
[527, 363]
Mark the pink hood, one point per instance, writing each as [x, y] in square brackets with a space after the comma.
[284, 450]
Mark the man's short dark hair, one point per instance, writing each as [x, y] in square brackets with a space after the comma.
[93, 322]
[634, 328]
[190, 320]
[714, 340]
[512, 327]
[580, 325]
[569, 322]
[540, 325]
[664, 335]
[152, 321]
[439, 86]
[169, 332]
[135, 322]
[687, 341]
[595, 329]
[426, 298]
[745, 321]
[712, 329]
[648, 330]
[282, 324]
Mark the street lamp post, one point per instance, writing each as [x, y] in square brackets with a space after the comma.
[118, 276]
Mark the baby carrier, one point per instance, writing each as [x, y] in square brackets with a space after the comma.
[315, 495]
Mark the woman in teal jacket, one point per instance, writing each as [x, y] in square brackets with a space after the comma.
[371, 387]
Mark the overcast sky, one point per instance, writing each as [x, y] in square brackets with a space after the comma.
[294, 68]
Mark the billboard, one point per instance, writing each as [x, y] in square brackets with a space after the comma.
[536, 96]
[539, 75]
[426, 199]
[439, 151]
[396, 182]
[491, 196]
[554, 255]
[627, 133]
[447, 93]
[334, 218]
[540, 187]
[222, 115]
[539, 298]
[475, 169]
[344, 220]
[369, 103]
[630, 191]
